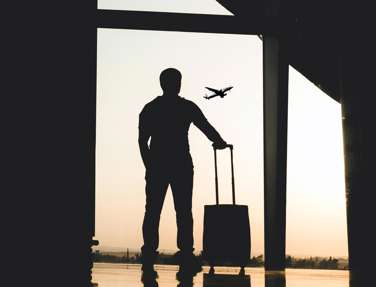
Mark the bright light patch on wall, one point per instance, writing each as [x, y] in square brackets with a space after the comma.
[181, 6]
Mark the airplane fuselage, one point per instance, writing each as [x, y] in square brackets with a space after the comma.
[218, 93]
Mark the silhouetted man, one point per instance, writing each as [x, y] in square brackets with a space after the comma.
[165, 121]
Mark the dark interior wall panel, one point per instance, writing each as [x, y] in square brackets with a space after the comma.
[51, 77]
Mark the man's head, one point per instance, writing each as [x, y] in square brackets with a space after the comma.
[170, 80]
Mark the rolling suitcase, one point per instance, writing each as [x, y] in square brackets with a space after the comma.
[226, 238]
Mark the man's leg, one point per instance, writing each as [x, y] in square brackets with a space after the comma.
[155, 189]
[181, 186]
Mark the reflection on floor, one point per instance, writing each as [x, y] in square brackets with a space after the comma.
[215, 280]
[115, 275]
[222, 280]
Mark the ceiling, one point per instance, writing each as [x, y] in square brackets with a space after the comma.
[314, 36]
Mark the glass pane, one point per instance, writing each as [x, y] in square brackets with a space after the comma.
[315, 173]
[181, 6]
[129, 64]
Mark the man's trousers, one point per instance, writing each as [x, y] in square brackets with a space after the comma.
[181, 183]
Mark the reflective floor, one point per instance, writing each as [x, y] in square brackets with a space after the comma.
[116, 275]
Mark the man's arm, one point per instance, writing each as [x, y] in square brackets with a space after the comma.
[200, 121]
[143, 138]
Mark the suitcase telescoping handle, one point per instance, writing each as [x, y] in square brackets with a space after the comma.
[231, 147]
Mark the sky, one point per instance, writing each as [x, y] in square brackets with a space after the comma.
[129, 64]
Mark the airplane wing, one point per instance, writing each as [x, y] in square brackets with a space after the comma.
[227, 89]
[212, 96]
[213, 90]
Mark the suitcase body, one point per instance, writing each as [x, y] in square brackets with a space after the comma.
[226, 237]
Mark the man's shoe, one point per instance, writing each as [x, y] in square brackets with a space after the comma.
[189, 267]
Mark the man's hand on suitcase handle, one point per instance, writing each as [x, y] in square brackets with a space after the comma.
[222, 145]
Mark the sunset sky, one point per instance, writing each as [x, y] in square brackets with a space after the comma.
[129, 64]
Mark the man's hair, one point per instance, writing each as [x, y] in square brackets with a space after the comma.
[169, 76]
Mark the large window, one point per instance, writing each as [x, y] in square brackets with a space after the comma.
[129, 63]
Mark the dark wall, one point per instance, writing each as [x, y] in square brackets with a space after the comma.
[49, 103]
[358, 117]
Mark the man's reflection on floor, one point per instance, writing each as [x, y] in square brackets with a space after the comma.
[226, 280]
[275, 279]
[186, 281]
[210, 280]
[149, 281]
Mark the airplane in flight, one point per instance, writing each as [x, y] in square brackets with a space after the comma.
[217, 93]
